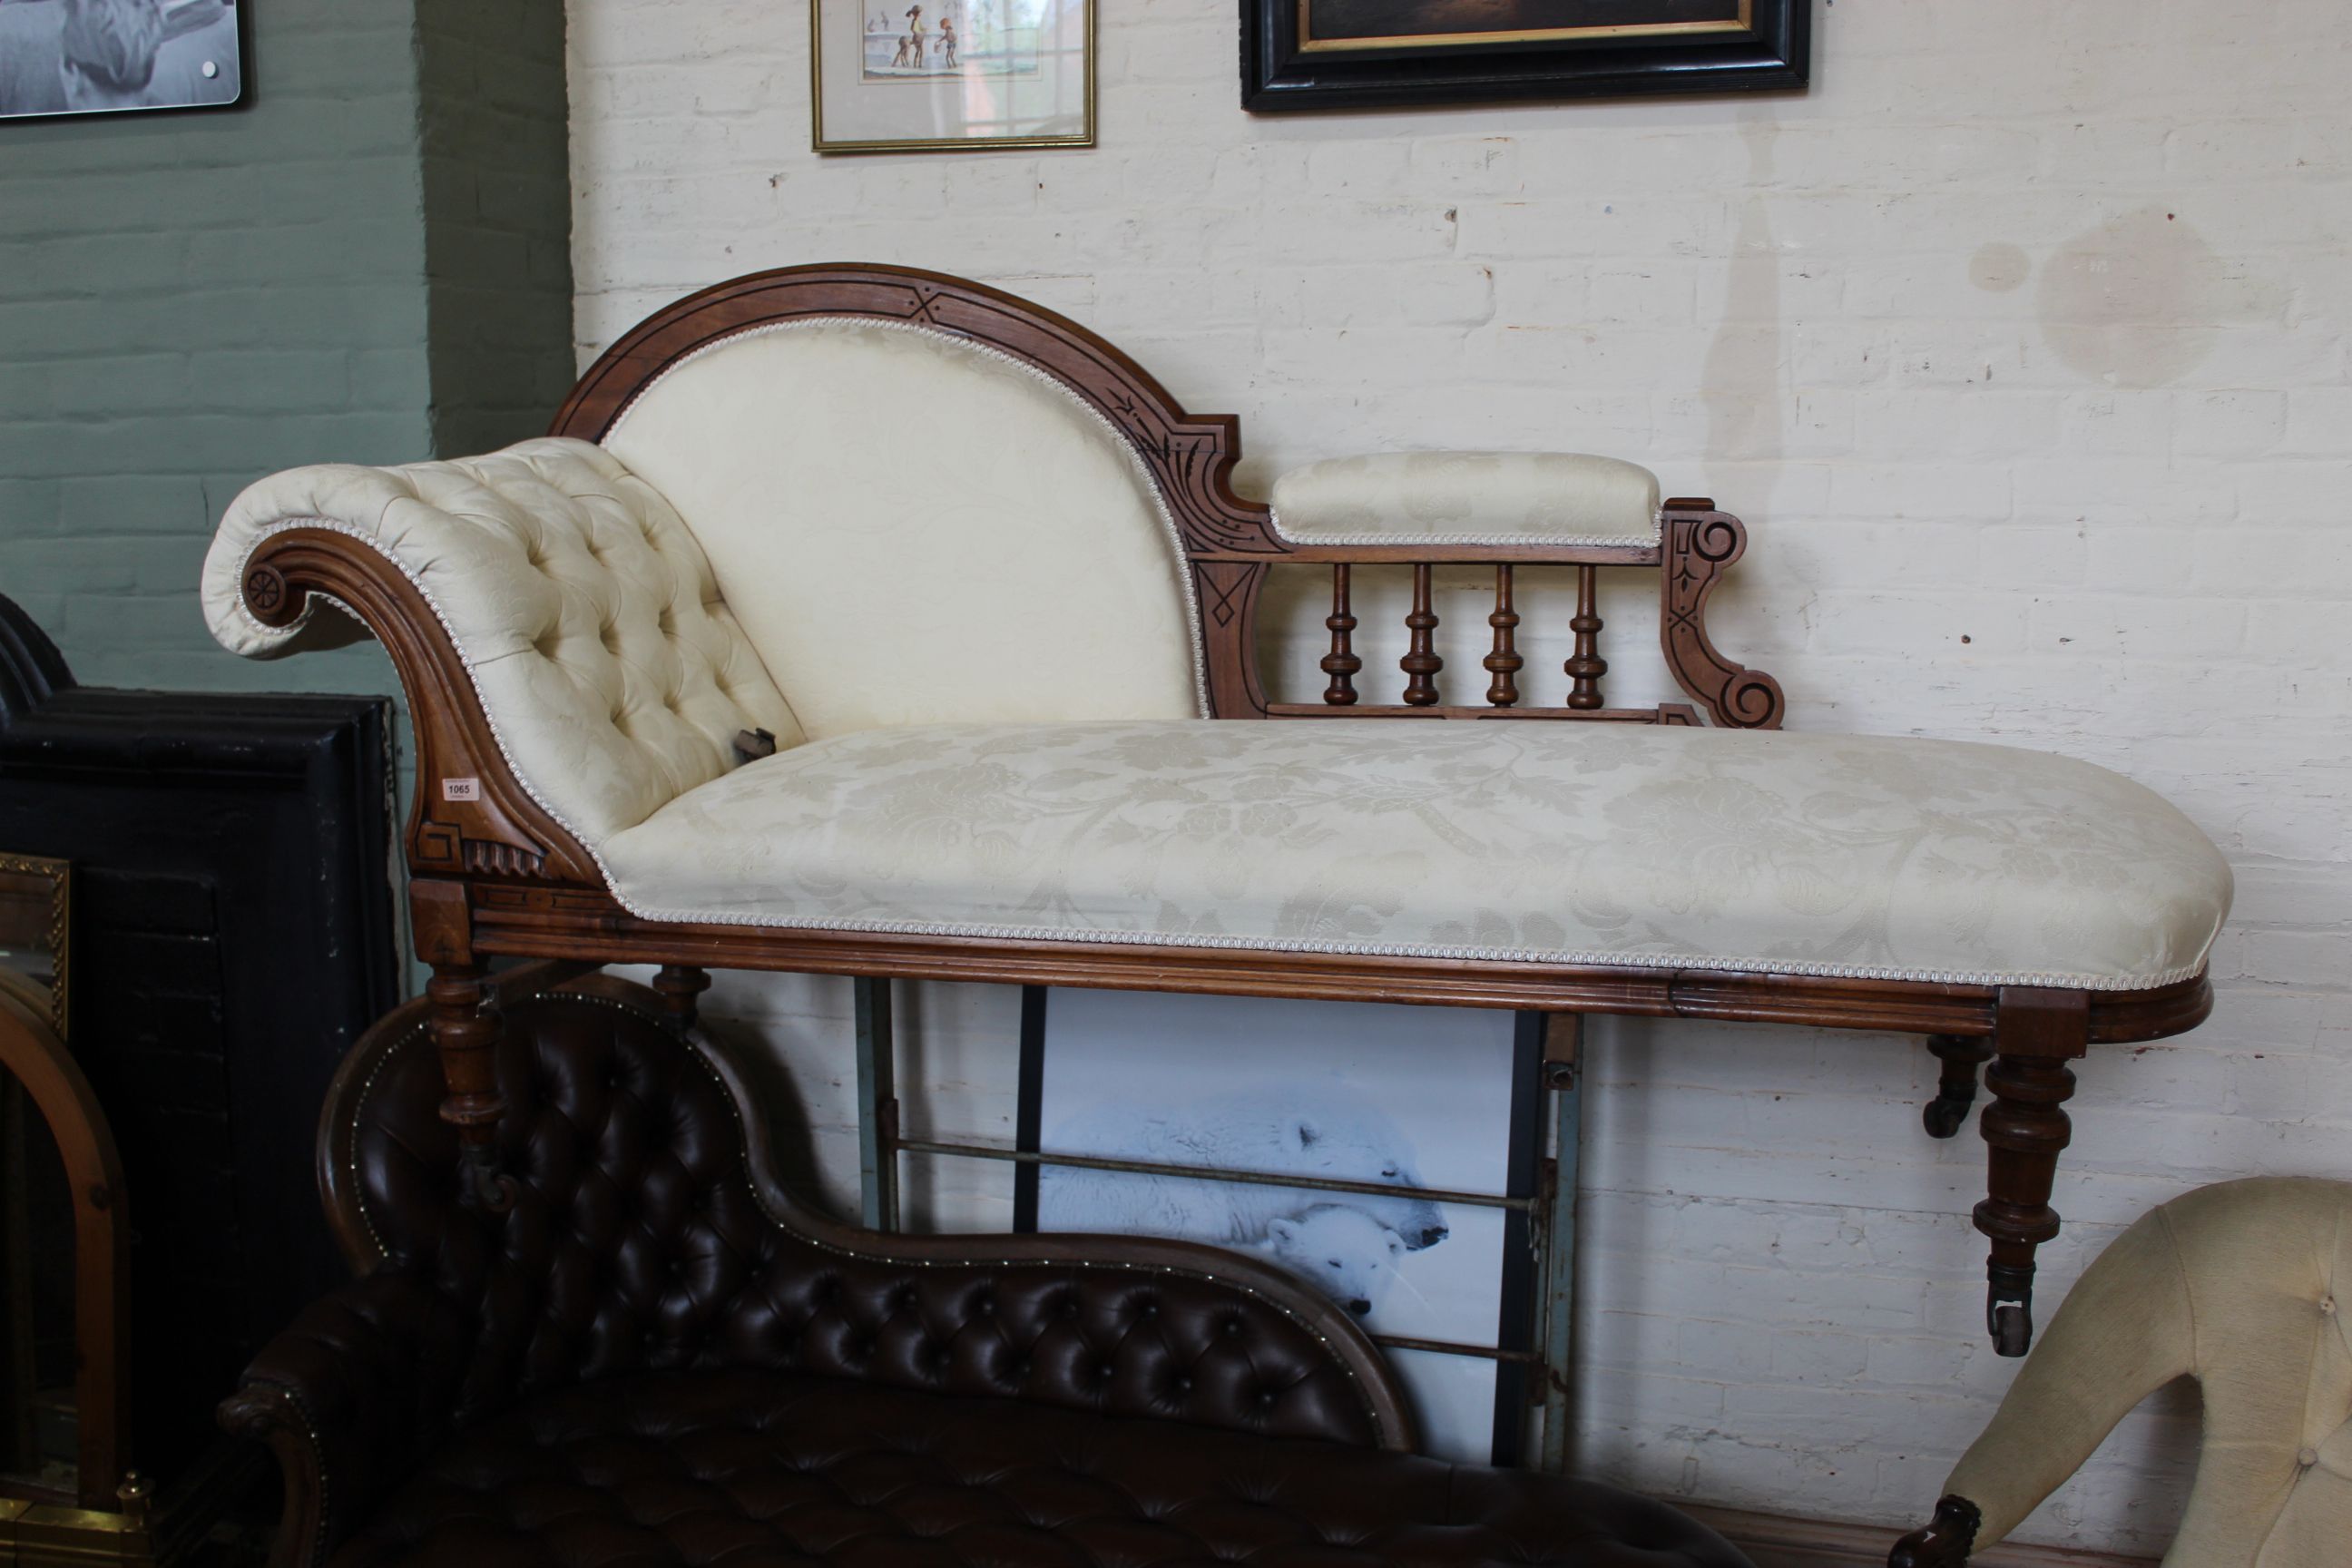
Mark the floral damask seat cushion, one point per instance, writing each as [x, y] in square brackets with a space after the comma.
[1608, 844]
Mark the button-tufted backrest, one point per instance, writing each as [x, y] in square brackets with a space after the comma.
[913, 529]
[611, 671]
[640, 1243]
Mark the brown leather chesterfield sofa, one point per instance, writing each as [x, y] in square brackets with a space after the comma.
[655, 1355]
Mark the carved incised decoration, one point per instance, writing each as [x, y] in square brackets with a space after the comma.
[1699, 544]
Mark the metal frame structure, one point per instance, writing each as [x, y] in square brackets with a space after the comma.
[1549, 1212]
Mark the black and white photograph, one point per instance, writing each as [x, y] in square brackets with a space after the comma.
[1419, 1099]
[60, 58]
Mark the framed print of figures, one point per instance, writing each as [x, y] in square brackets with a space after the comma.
[1368, 54]
[903, 76]
[71, 58]
[1428, 1107]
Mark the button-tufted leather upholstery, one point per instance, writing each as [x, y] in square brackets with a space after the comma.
[585, 609]
[639, 1244]
[653, 1333]
[704, 1468]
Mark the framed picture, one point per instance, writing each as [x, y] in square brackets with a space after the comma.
[1412, 1100]
[72, 58]
[1375, 54]
[903, 76]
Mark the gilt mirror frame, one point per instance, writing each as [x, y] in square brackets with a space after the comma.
[37, 914]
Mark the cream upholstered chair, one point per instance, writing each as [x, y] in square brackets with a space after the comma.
[2245, 1286]
[982, 589]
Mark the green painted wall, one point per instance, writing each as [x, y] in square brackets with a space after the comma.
[370, 265]
[498, 211]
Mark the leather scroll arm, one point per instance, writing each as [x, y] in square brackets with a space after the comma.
[1699, 544]
[499, 831]
[270, 1415]
[351, 1397]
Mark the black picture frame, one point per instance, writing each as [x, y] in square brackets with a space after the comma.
[1774, 52]
[178, 14]
[1516, 1305]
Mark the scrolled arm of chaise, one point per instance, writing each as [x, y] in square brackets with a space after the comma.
[365, 1382]
[559, 587]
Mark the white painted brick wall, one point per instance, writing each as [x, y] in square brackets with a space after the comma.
[2027, 324]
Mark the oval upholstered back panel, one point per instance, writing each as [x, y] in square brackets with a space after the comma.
[911, 529]
[638, 1243]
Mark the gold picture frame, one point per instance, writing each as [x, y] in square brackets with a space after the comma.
[950, 76]
[35, 921]
[1494, 22]
[1302, 55]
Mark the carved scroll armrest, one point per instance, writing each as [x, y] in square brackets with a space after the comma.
[1696, 546]
[1699, 544]
[351, 1397]
[484, 578]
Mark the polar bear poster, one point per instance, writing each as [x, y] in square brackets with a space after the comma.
[1298, 1127]
[1348, 1254]
[1413, 1100]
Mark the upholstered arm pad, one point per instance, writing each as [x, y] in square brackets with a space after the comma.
[363, 1384]
[611, 672]
[1468, 498]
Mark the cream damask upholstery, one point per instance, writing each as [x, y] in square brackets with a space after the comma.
[1614, 843]
[948, 590]
[2245, 1286]
[614, 675]
[911, 528]
[1468, 498]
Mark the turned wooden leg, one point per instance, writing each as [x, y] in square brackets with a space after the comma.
[1956, 1090]
[465, 1029]
[680, 986]
[2036, 1032]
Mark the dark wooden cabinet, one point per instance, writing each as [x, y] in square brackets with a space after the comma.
[233, 934]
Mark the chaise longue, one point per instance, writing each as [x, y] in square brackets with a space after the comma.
[864, 621]
[655, 1355]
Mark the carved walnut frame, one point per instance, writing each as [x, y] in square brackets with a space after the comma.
[498, 876]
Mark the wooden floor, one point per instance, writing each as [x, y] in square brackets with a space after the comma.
[1777, 1543]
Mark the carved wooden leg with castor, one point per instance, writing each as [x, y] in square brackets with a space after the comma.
[466, 1029]
[1944, 1542]
[680, 986]
[1956, 1091]
[2036, 1032]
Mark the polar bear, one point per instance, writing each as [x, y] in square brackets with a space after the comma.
[1307, 1128]
[1339, 1249]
